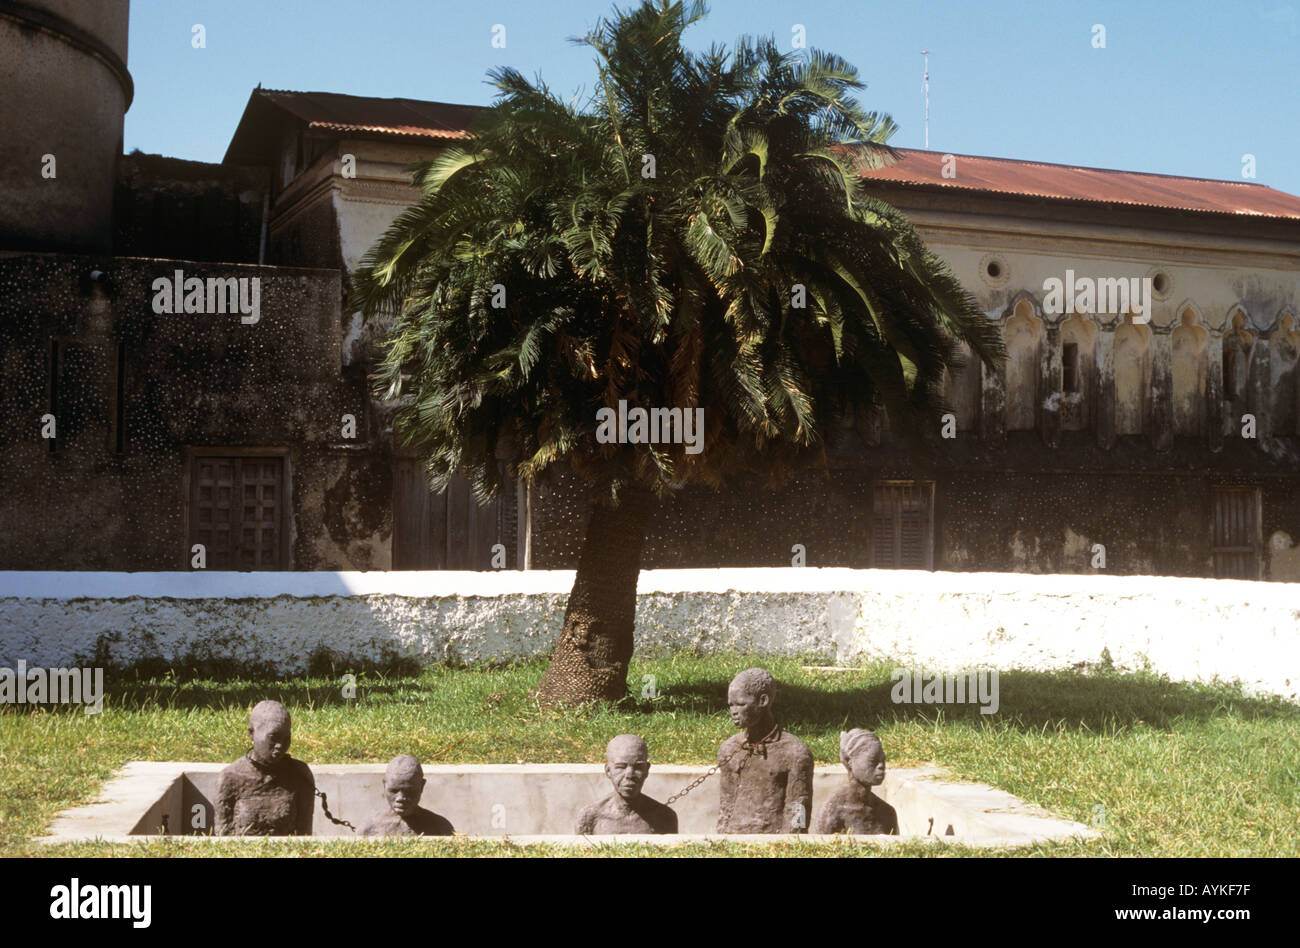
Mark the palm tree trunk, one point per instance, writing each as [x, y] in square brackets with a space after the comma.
[591, 658]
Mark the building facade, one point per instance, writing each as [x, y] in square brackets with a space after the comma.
[1161, 436]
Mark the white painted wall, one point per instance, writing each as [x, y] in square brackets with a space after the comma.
[1188, 629]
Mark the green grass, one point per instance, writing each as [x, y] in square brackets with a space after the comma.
[1181, 770]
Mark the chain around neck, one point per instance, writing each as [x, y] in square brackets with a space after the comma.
[772, 735]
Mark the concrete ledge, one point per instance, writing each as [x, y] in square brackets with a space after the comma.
[434, 584]
[1187, 629]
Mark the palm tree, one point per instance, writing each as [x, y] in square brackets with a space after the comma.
[694, 236]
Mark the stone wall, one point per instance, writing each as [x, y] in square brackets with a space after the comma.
[187, 210]
[132, 392]
[986, 518]
[1187, 629]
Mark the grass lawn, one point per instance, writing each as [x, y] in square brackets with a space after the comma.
[1180, 770]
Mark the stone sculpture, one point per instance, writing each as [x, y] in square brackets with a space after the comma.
[266, 792]
[403, 786]
[853, 808]
[627, 809]
[766, 772]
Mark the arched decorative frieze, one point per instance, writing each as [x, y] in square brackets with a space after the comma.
[1284, 375]
[1190, 371]
[1078, 371]
[1238, 347]
[1132, 376]
[1023, 333]
[963, 388]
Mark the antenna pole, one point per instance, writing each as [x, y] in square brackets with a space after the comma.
[925, 86]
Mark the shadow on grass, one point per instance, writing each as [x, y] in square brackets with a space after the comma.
[321, 663]
[1028, 701]
[810, 702]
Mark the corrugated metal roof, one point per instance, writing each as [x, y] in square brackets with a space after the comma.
[916, 168]
[346, 113]
[974, 173]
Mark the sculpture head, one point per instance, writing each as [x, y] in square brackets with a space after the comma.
[268, 728]
[750, 698]
[627, 764]
[863, 756]
[403, 784]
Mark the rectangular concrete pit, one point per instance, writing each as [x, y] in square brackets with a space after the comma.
[542, 801]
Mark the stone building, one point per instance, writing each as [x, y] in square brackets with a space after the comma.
[1156, 438]
[1111, 440]
[1156, 443]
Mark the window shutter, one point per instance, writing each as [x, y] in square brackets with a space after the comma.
[1237, 537]
[902, 525]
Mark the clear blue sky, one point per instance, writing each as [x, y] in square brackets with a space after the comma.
[1182, 88]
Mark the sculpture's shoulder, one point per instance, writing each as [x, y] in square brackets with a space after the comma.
[296, 772]
[830, 818]
[659, 815]
[885, 816]
[236, 773]
[590, 813]
[797, 749]
[840, 796]
[429, 823]
[730, 746]
[378, 825]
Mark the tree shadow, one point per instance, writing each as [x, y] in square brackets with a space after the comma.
[1027, 701]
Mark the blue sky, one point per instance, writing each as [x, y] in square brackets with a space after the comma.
[1182, 88]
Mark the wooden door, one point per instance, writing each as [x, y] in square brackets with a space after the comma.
[237, 510]
[1237, 536]
[447, 530]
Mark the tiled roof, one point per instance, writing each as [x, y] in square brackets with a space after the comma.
[346, 113]
[418, 118]
[256, 138]
[924, 169]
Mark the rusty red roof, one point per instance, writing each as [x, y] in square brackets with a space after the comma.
[253, 143]
[256, 136]
[924, 169]
[340, 112]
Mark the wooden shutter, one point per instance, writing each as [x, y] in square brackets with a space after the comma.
[237, 509]
[1237, 532]
[902, 525]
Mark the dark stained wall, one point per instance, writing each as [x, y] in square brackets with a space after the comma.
[187, 210]
[103, 501]
[1150, 522]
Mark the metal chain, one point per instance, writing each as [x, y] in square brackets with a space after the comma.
[745, 745]
[324, 805]
[707, 774]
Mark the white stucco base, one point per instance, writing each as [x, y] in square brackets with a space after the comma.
[1187, 629]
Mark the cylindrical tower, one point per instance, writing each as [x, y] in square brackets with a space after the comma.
[66, 91]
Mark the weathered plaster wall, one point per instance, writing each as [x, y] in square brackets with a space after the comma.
[1188, 629]
[190, 380]
[1214, 275]
[326, 219]
[1149, 523]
